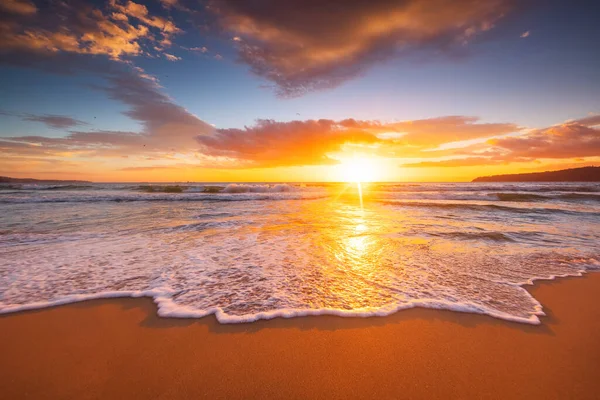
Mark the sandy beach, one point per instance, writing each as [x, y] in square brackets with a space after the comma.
[121, 349]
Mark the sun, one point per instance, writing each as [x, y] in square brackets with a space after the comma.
[359, 169]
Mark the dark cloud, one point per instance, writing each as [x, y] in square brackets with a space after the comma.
[298, 45]
[302, 45]
[22, 7]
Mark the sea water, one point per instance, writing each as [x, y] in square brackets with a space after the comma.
[256, 251]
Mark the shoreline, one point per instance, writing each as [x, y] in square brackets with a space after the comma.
[121, 348]
[534, 319]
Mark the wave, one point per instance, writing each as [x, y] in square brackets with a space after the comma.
[161, 189]
[480, 187]
[245, 188]
[488, 236]
[168, 308]
[518, 197]
[47, 187]
[579, 196]
[488, 207]
[230, 188]
[166, 197]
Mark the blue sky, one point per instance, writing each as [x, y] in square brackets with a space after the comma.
[546, 78]
[533, 66]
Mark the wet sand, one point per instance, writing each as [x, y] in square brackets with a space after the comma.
[113, 349]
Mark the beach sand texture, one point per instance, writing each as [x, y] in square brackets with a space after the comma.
[121, 349]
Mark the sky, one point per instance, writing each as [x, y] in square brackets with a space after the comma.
[297, 90]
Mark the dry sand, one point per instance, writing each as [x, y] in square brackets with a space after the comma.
[115, 349]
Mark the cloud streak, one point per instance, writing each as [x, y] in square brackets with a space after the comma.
[167, 127]
[54, 121]
[580, 138]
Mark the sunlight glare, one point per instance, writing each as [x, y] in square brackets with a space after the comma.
[359, 169]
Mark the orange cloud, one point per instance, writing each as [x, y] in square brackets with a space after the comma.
[270, 143]
[572, 139]
[459, 162]
[169, 132]
[81, 28]
[302, 45]
[23, 7]
[432, 132]
[577, 139]
[140, 12]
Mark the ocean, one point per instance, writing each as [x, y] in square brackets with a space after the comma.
[256, 251]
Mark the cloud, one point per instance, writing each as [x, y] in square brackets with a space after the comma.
[116, 30]
[54, 121]
[162, 119]
[148, 168]
[459, 162]
[202, 49]
[172, 134]
[140, 12]
[168, 3]
[577, 139]
[23, 7]
[432, 132]
[171, 57]
[569, 140]
[269, 143]
[303, 45]
[167, 127]
[592, 120]
[525, 34]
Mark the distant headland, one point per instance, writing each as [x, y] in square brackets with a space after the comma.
[585, 174]
[6, 179]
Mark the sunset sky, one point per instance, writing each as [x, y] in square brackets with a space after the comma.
[267, 90]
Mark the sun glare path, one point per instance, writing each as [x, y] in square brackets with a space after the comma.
[360, 193]
[359, 170]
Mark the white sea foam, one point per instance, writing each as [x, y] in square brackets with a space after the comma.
[243, 256]
[249, 188]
